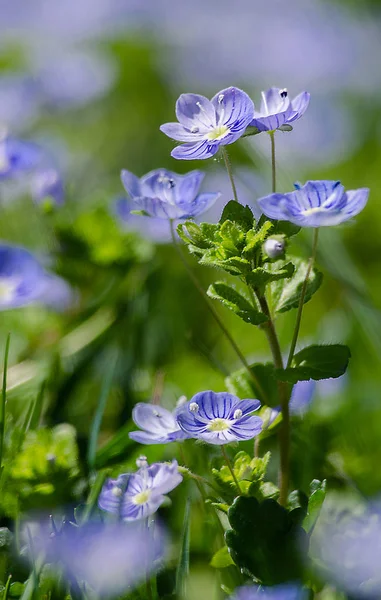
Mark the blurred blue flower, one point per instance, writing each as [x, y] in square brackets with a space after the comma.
[205, 125]
[219, 418]
[18, 157]
[23, 281]
[156, 230]
[47, 187]
[166, 195]
[139, 495]
[316, 204]
[159, 425]
[287, 591]
[277, 109]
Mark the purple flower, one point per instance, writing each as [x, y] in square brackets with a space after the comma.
[277, 109]
[166, 195]
[18, 157]
[156, 230]
[315, 204]
[23, 281]
[287, 591]
[205, 125]
[47, 186]
[219, 418]
[139, 495]
[159, 425]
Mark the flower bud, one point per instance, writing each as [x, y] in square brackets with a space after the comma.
[274, 247]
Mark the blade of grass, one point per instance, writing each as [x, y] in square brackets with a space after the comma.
[4, 398]
[182, 571]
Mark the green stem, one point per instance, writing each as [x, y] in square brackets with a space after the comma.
[229, 465]
[284, 431]
[273, 162]
[214, 312]
[229, 169]
[4, 399]
[302, 297]
[6, 589]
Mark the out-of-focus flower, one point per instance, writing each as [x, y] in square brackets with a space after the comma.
[219, 418]
[316, 204]
[277, 592]
[139, 495]
[159, 425]
[18, 157]
[111, 558]
[156, 230]
[205, 125]
[166, 195]
[23, 281]
[277, 109]
[47, 187]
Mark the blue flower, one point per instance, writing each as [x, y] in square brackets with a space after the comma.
[18, 157]
[277, 109]
[139, 495]
[23, 281]
[315, 204]
[166, 195]
[159, 425]
[47, 186]
[205, 125]
[288, 591]
[156, 230]
[219, 418]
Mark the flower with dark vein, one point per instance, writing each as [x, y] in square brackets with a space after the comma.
[205, 125]
[166, 195]
[277, 109]
[139, 495]
[315, 204]
[219, 418]
[159, 425]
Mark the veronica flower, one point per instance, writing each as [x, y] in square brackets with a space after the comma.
[159, 425]
[17, 157]
[166, 195]
[23, 281]
[277, 109]
[156, 230]
[139, 495]
[287, 591]
[315, 204]
[219, 418]
[205, 125]
[47, 186]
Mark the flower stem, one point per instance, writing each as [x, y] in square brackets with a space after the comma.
[284, 431]
[229, 169]
[214, 312]
[230, 467]
[273, 162]
[302, 297]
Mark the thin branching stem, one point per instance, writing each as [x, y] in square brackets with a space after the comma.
[229, 169]
[230, 467]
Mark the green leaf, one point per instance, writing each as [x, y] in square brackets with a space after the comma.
[317, 362]
[232, 238]
[182, 571]
[235, 302]
[286, 295]
[260, 277]
[234, 265]
[255, 239]
[239, 214]
[222, 559]
[116, 449]
[315, 503]
[286, 228]
[201, 236]
[242, 385]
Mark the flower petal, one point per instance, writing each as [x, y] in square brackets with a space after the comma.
[178, 132]
[193, 110]
[299, 106]
[356, 201]
[153, 418]
[273, 101]
[165, 477]
[246, 406]
[301, 396]
[274, 206]
[201, 204]
[131, 183]
[214, 405]
[187, 186]
[159, 208]
[194, 151]
[234, 108]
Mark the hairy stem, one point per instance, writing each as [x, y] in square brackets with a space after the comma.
[273, 163]
[230, 467]
[214, 312]
[302, 297]
[230, 171]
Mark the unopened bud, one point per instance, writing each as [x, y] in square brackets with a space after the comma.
[274, 247]
[141, 462]
[193, 407]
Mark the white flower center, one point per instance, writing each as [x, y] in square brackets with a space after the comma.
[142, 497]
[219, 424]
[218, 133]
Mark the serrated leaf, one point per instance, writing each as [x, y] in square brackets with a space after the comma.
[260, 277]
[242, 385]
[222, 559]
[192, 233]
[239, 214]
[317, 362]
[286, 295]
[235, 302]
[255, 238]
[315, 503]
[232, 238]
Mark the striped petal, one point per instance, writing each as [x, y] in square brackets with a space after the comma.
[195, 151]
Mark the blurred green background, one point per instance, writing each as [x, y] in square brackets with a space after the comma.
[92, 82]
